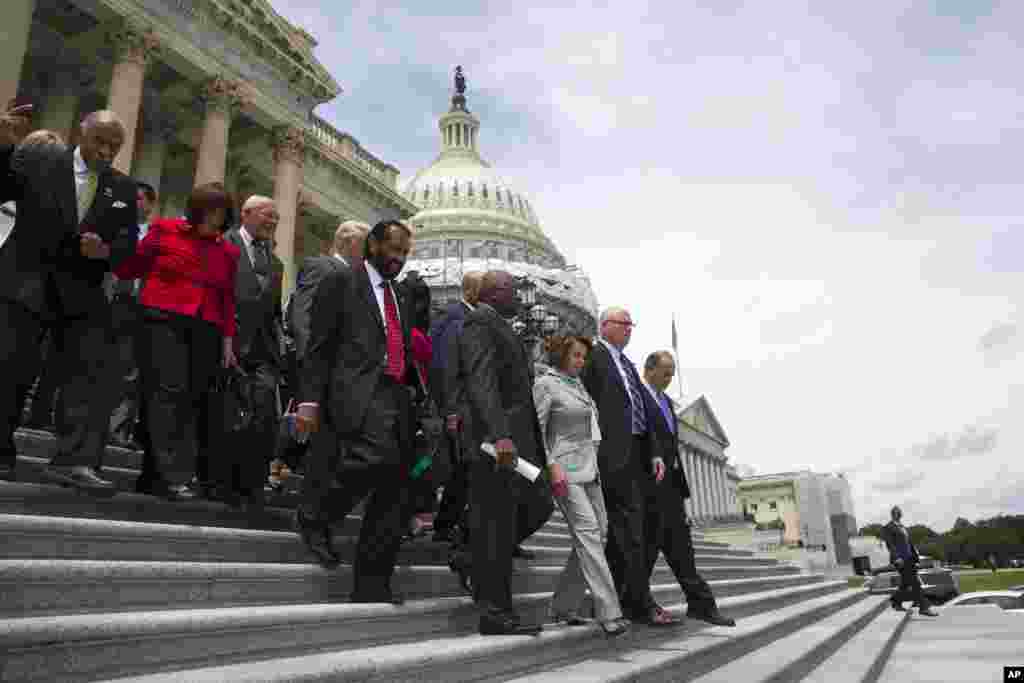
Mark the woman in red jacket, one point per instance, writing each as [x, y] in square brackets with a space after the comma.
[188, 294]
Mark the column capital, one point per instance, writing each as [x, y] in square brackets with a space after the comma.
[223, 94]
[289, 144]
[133, 44]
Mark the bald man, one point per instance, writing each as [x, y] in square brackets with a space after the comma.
[447, 387]
[76, 222]
[258, 286]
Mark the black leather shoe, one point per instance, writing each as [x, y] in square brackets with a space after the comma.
[82, 478]
[928, 612]
[179, 493]
[7, 473]
[495, 626]
[317, 539]
[522, 553]
[898, 607]
[713, 617]
[442, 536]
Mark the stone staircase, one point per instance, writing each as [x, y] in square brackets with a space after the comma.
[135, 588]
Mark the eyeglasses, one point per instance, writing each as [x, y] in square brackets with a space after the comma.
[624, 323]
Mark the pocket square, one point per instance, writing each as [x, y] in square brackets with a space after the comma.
[108, 192]
[119, 205]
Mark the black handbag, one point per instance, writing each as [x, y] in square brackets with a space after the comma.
[235, 405]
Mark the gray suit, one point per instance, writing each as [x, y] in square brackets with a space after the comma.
[568, 422]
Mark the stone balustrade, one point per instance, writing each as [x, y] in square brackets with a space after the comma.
[348, 147]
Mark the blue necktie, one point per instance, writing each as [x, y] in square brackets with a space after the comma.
[633, 382]
[666, 410]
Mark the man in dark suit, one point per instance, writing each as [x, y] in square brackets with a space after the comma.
[446, 387]
[127, 423]
[668, 530]
[627, 458]
[505, 508]
[346, 251]
[354, 395]
[903, 555]
[349, 242]
[258, 349]
[76, 221]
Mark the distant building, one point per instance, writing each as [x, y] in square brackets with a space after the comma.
[816, 510]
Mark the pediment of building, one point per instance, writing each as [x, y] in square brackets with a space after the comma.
[699, 416]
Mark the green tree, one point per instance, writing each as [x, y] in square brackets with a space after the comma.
[871, 530]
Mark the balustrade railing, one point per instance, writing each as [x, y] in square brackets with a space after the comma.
[347, 146]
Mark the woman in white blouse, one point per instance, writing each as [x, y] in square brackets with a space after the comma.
[568, 421]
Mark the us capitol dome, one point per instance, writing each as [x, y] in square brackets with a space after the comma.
[470, 219]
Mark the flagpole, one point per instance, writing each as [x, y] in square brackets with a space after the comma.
[675, 350]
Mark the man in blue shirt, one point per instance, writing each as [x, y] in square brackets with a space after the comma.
[903, 556]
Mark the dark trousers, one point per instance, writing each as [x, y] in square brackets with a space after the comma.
[44, 390]
[82, 353]
[179, 359]
[505, 509]
[910, 587]
[128, 329]
[370, 463]
[242, 466]
[452, 510]
[668, 531]
[625, 497]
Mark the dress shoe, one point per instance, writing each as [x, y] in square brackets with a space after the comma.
[898, 607]
[7, 473]
[615, 627]
[713, 617]
[317, 539]
[80, 477]
[928, 612]
[498, 626]
[522, 553]
[442, 536]
[387, 597]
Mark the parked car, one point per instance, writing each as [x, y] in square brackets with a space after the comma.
[938, 583]
[1011, 601]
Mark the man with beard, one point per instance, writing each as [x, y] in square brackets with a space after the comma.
[354, 397]
[77, 220]
[504, 508]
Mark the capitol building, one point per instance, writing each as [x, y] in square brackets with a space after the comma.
[469, 218]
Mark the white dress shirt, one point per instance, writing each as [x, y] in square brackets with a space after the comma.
[247, 240]
[82, 173]
[8, 212]
[377, 284]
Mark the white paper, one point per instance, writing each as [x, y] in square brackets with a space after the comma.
[523, 466]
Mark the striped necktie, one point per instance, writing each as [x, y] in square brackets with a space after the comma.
[86, 195]
[633, 381]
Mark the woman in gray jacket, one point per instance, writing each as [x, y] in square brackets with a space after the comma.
[568, 421]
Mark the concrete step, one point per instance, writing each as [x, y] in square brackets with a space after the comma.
[792, 657]
[862, 658]
[44, 537]
[690, 655]
[46, 500]
[428, 641]
[38, 587]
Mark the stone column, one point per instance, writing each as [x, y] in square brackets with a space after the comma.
[289, 156]
[59, 104]
[133, 50]
[157, 132]
[222, 98]
[688, 469]
[14, 30]
[698, 485]
[705, 485]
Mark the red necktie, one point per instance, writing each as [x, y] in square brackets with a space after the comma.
[396, 346]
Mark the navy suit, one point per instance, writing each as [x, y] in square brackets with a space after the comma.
[666, 528]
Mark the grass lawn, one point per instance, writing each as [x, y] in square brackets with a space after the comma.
[856, 581]
[991, 582]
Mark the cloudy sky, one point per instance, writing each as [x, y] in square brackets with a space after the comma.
[825, 194]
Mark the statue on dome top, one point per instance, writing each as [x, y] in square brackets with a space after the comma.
[460, 81]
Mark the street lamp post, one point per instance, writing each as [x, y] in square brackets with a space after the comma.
[535, 321]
